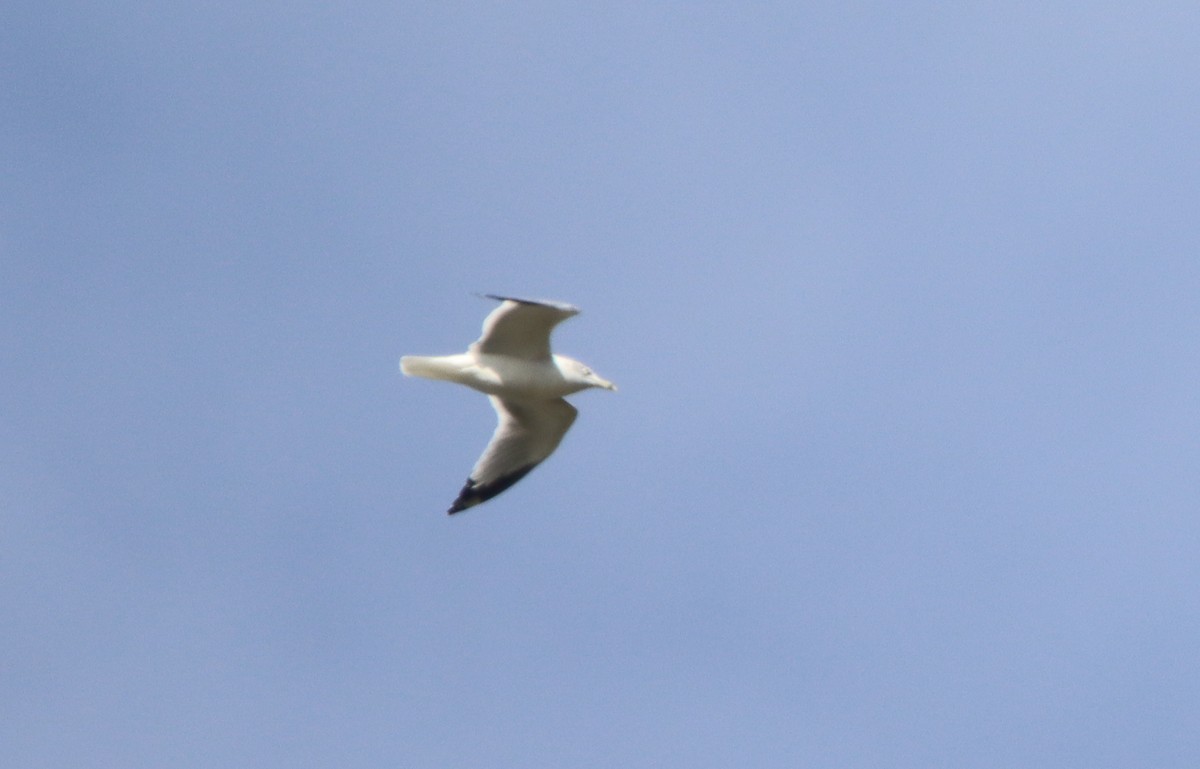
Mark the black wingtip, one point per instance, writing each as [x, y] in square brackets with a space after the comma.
[473, 494]
[462, 503]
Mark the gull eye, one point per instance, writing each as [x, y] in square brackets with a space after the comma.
[587, 371]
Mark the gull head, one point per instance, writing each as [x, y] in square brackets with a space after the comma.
[576, 372]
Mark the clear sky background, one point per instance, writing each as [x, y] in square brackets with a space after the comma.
[904, 305]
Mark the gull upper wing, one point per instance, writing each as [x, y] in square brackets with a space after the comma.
[521, 328]
[526, 434]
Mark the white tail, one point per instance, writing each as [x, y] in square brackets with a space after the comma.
[445, 367]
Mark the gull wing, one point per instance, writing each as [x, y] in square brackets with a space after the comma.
[528, 432]
[521, 328]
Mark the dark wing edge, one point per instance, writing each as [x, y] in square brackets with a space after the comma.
[473, 493]
[561, 306]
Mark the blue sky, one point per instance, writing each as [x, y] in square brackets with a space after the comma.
[902, 302]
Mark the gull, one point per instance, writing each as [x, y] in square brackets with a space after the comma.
[512, 363]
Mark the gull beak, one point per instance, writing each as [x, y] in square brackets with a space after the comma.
[607, 385]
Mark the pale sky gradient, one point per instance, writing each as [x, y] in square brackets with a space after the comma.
[904, 306]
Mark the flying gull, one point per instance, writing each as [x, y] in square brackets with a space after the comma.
[525, 382]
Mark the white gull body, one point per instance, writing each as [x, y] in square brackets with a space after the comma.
[512, 363]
